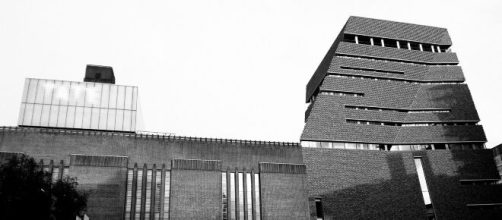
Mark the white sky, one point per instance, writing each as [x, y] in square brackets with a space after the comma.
[229, 69]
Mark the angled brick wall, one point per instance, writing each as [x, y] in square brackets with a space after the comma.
[388, 53]
[397, 30]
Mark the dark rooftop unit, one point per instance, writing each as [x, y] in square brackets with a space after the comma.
[101, 74]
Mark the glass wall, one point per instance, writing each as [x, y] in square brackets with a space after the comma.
[224, 197]
[158, 188]
[389, 147]
[232, 196]
[243, 200]
[82, 105]
[139, 200]
[167, 182]
[139, 190]
[129, 194]
[339, 145]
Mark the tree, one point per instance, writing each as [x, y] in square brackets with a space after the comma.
[27, 192]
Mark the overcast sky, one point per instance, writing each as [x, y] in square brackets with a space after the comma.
[228, 69]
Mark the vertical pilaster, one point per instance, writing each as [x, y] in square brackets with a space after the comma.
[253, 194]
[153, 188]
[244, 189]
[134, 190]
[237, 196]
[162, 190]
[143, 192]
[61, 169]
[229, 207]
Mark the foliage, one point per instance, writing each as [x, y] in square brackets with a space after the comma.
[27, 192]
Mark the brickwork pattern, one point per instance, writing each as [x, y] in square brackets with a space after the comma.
[195, 194]
[415, 72]
[283, 197]
[393, 78]
[195, 175]
[394, 54]
[397, 30]
[355, 184]
[106, 188]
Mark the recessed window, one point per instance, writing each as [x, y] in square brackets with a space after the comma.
[415, 46]
[364, 40]
[425, 190]
[390, 43]
[319, 209]
[349, 38]
[377, 41]
[374, 70]
[403, 45]
[427, 47]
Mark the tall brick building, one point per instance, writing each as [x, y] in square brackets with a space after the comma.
[391, 132]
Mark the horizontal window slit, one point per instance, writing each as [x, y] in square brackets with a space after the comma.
[342, 93]
[338, 75]
[374, 70]
[370, 108]
[396, 60]
[408, 124]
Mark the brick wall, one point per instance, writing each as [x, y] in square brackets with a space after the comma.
[102, 178]
[354, 184]
[282, 192]
[195, 194]
[497, 154]
[445, 169]
[196, 185]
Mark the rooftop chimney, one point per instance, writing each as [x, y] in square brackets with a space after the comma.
[101, 74]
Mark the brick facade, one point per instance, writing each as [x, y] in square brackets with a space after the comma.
[100, 161]
[356, 184]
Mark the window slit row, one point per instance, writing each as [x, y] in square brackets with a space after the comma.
[408, 124]
[399, 44]
[340, 75]
[144, 191]
[342, 93]
[372, 108]
[240, 196]
[386, 60]
[57, 171]
[370, 69]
